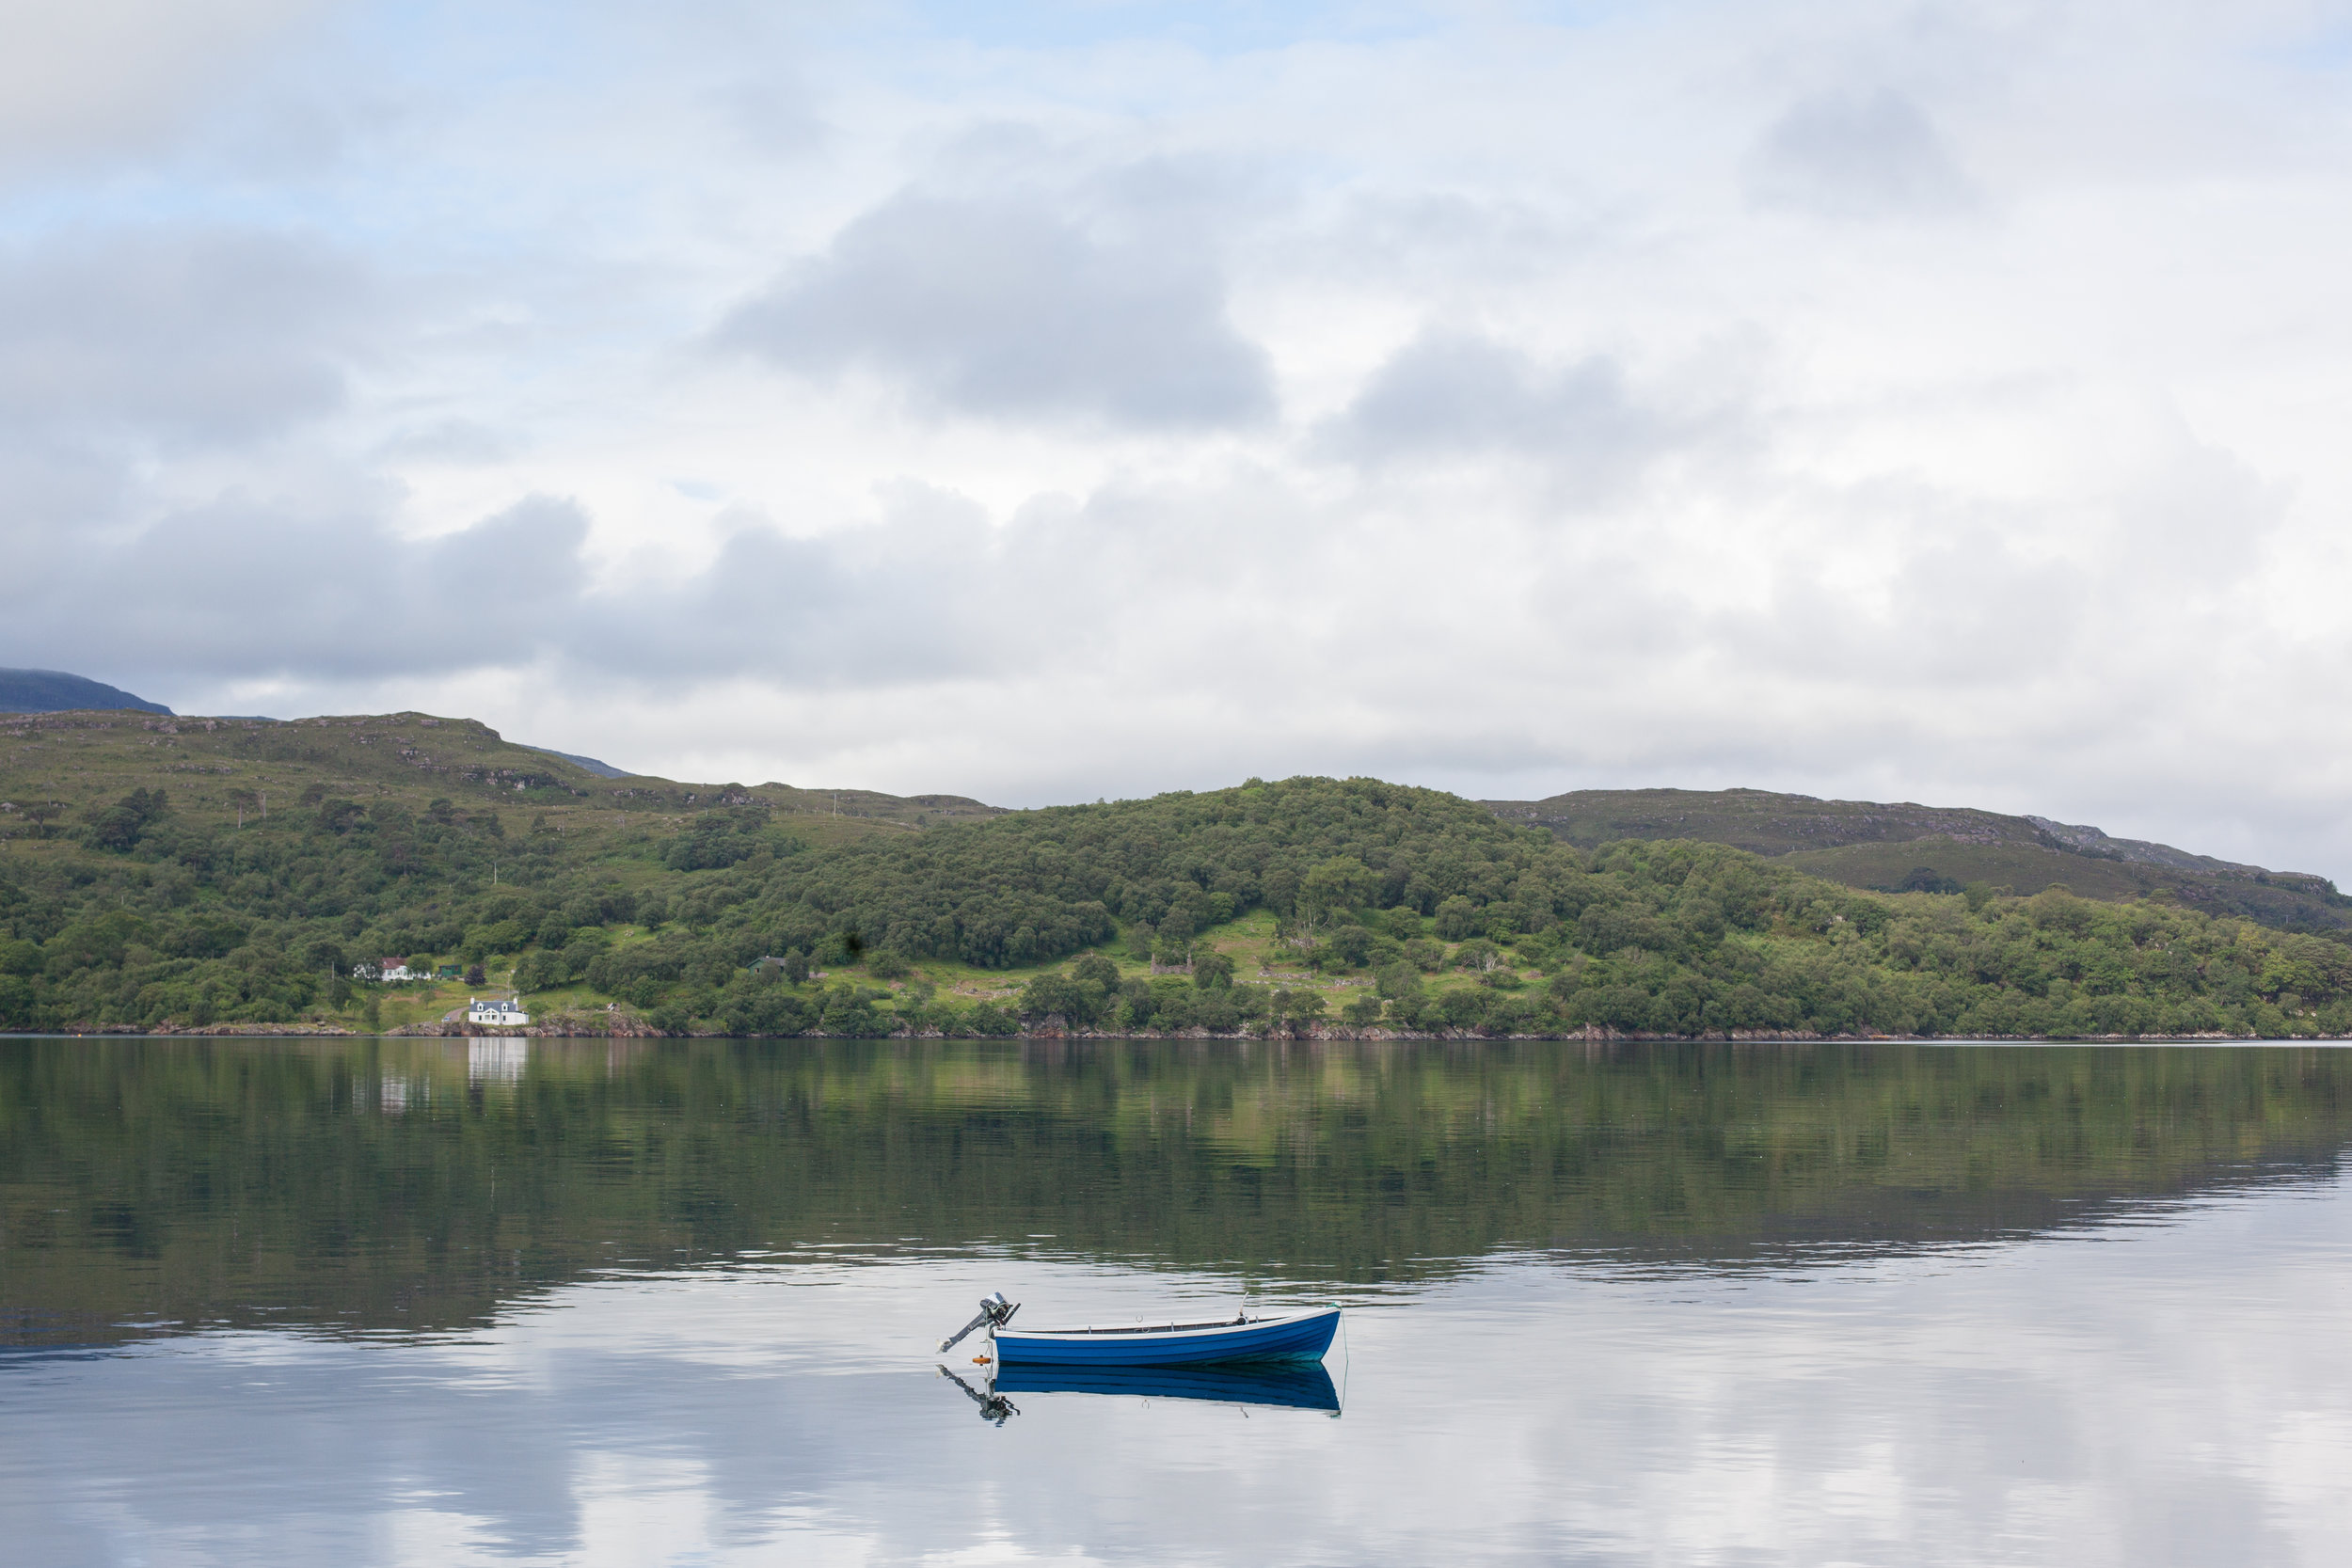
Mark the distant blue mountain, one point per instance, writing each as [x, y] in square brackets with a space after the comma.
[54, 691]
[601, 770]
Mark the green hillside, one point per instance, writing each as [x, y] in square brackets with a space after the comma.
[1903, 847]
[173, 873]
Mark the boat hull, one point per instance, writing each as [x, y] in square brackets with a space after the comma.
[1303, 1337]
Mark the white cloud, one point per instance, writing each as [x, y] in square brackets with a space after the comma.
[1006, 308]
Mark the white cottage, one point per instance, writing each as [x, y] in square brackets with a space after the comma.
[498, 1011]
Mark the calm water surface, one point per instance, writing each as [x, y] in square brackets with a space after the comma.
[442, 1302]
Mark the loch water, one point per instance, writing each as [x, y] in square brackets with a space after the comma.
[636, 1302]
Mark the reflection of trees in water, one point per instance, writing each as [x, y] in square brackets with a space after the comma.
[394, 1185]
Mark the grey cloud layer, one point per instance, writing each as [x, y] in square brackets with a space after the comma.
[100, 74]
[1167, 584]
[1000, 307]
[240, 589]
[202, 336]
[244, 592]
[1856, 154]
[1455, 395]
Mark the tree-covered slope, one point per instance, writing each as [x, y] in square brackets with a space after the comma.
[147, 889]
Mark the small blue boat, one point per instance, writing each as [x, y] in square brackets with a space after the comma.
[1294, 1337]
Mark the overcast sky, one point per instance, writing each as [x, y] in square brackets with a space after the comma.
[1936, 402]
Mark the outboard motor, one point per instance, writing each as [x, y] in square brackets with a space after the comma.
[995, 1312]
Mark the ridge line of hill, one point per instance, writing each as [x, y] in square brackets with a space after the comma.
[1904, 846]
[55, 691]
[1858, 843]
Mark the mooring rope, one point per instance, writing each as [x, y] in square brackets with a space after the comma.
[1347, 1360]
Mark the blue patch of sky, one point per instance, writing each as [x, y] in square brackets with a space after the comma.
[1211, 27]
[2322, 49]
[333, 135]
[374, 76]
[1231, 27]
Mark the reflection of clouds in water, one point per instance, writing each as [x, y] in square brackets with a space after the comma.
[643, 1507]
[2155, 1390]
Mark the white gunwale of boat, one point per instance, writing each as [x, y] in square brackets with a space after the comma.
[1222, 1324]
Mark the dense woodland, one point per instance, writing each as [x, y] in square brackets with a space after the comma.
[1104, 918]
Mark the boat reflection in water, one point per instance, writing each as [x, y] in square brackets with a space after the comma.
[1275, 1385]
